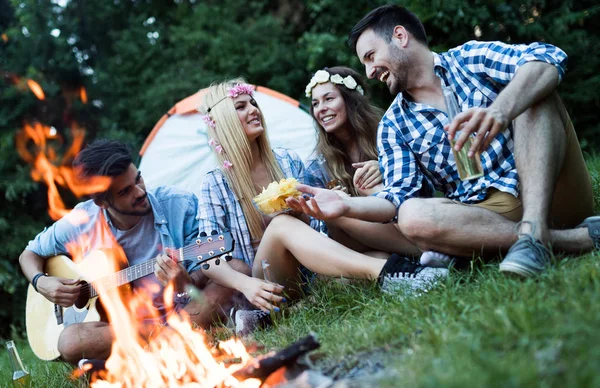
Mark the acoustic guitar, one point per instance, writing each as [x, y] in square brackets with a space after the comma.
[45, 320]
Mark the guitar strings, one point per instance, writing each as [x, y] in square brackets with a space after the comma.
[172, 253]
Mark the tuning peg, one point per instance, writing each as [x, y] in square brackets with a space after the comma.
[218, 261]
[202, 234]
[205, 266]
[228, 258]
[214, 232]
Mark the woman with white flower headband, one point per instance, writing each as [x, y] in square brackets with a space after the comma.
[346, 157]
[346, 122]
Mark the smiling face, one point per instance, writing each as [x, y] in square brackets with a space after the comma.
[127, 195]
[388, 62]
[329, 108]
[249, 115]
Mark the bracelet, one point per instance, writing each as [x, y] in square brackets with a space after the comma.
[35, 280]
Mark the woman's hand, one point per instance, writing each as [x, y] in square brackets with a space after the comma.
[323, 205]
[261, 293]
[367, 174]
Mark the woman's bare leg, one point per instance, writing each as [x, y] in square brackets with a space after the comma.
[289, 243]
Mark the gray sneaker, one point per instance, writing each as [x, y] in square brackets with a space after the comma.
[527, 257]
[400, 275]
[593, 226]
[246, 321]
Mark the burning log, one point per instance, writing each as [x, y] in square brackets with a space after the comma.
[263, 367]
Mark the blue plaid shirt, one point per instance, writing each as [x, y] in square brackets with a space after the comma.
[315, 174]
[220, 208]
[411, 132]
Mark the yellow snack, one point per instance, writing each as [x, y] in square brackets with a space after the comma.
[272, 198]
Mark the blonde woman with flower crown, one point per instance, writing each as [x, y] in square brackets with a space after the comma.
[346, 157]
[291, 247]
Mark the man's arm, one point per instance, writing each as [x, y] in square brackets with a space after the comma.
[61, 291]
[327, 205]
[530, 73]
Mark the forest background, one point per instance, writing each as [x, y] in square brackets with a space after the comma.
[133, 60]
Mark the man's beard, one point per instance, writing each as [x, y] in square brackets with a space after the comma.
[133, 212]
[400, 72]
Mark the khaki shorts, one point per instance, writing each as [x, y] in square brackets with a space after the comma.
[573, 198]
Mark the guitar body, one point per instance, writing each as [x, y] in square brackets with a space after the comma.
[43, 327]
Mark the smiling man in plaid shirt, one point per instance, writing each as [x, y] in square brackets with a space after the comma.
[534, 176]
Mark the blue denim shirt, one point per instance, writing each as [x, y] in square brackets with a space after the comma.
[87, 227]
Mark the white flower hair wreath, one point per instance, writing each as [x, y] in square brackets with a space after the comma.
[322, 76]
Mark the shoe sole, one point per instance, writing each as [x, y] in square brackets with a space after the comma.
[517, 269]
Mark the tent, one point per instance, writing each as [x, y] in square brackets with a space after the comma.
[176, 152]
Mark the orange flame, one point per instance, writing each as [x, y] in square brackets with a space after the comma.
[5, 38]
[43, 170]
[176, 355]
[36, 89]
[83, 95]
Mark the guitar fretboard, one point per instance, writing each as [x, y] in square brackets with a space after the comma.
[127, 275]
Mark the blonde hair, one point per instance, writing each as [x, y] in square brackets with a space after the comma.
[229, 133]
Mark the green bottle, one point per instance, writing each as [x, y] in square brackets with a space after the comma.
[21, 378]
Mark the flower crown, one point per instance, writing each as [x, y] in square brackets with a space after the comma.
[232, 92]
[322, 76]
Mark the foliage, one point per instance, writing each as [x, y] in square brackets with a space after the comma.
[137, 58]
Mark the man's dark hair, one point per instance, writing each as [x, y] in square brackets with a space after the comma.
[382, 21]
[102, 158]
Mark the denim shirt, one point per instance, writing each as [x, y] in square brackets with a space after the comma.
[87, 227]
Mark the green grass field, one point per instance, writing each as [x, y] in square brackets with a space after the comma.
[479, 328]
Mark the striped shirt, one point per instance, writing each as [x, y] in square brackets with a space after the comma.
[411, 136]
[220, 208]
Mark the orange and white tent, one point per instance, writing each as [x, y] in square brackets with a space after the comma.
[177, 153]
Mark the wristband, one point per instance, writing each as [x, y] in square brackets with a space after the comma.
[35, 280]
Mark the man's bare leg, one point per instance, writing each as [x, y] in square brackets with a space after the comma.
[85, 340]
[363, 236]
[439, 224]
[540, 145]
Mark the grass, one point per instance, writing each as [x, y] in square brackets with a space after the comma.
[479, 328]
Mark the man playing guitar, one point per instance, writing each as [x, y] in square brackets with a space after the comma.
[142, 225]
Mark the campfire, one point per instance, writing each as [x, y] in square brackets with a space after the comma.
[173, 355]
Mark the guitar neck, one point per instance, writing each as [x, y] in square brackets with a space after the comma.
[129, 274]
[205, 248]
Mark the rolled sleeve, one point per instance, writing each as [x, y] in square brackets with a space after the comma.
[500, 61]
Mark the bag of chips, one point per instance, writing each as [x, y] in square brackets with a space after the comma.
[271, 200]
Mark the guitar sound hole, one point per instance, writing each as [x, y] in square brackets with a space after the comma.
[84, 295]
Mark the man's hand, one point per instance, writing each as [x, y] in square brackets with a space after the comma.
[261, 293]
[485, 122]
[167, 271]
[61, 291]
[324, 205]
[367, 174]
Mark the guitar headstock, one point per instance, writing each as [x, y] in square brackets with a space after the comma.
[208, 247]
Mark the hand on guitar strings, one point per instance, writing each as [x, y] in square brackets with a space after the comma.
[61, 291]
[168, 271]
